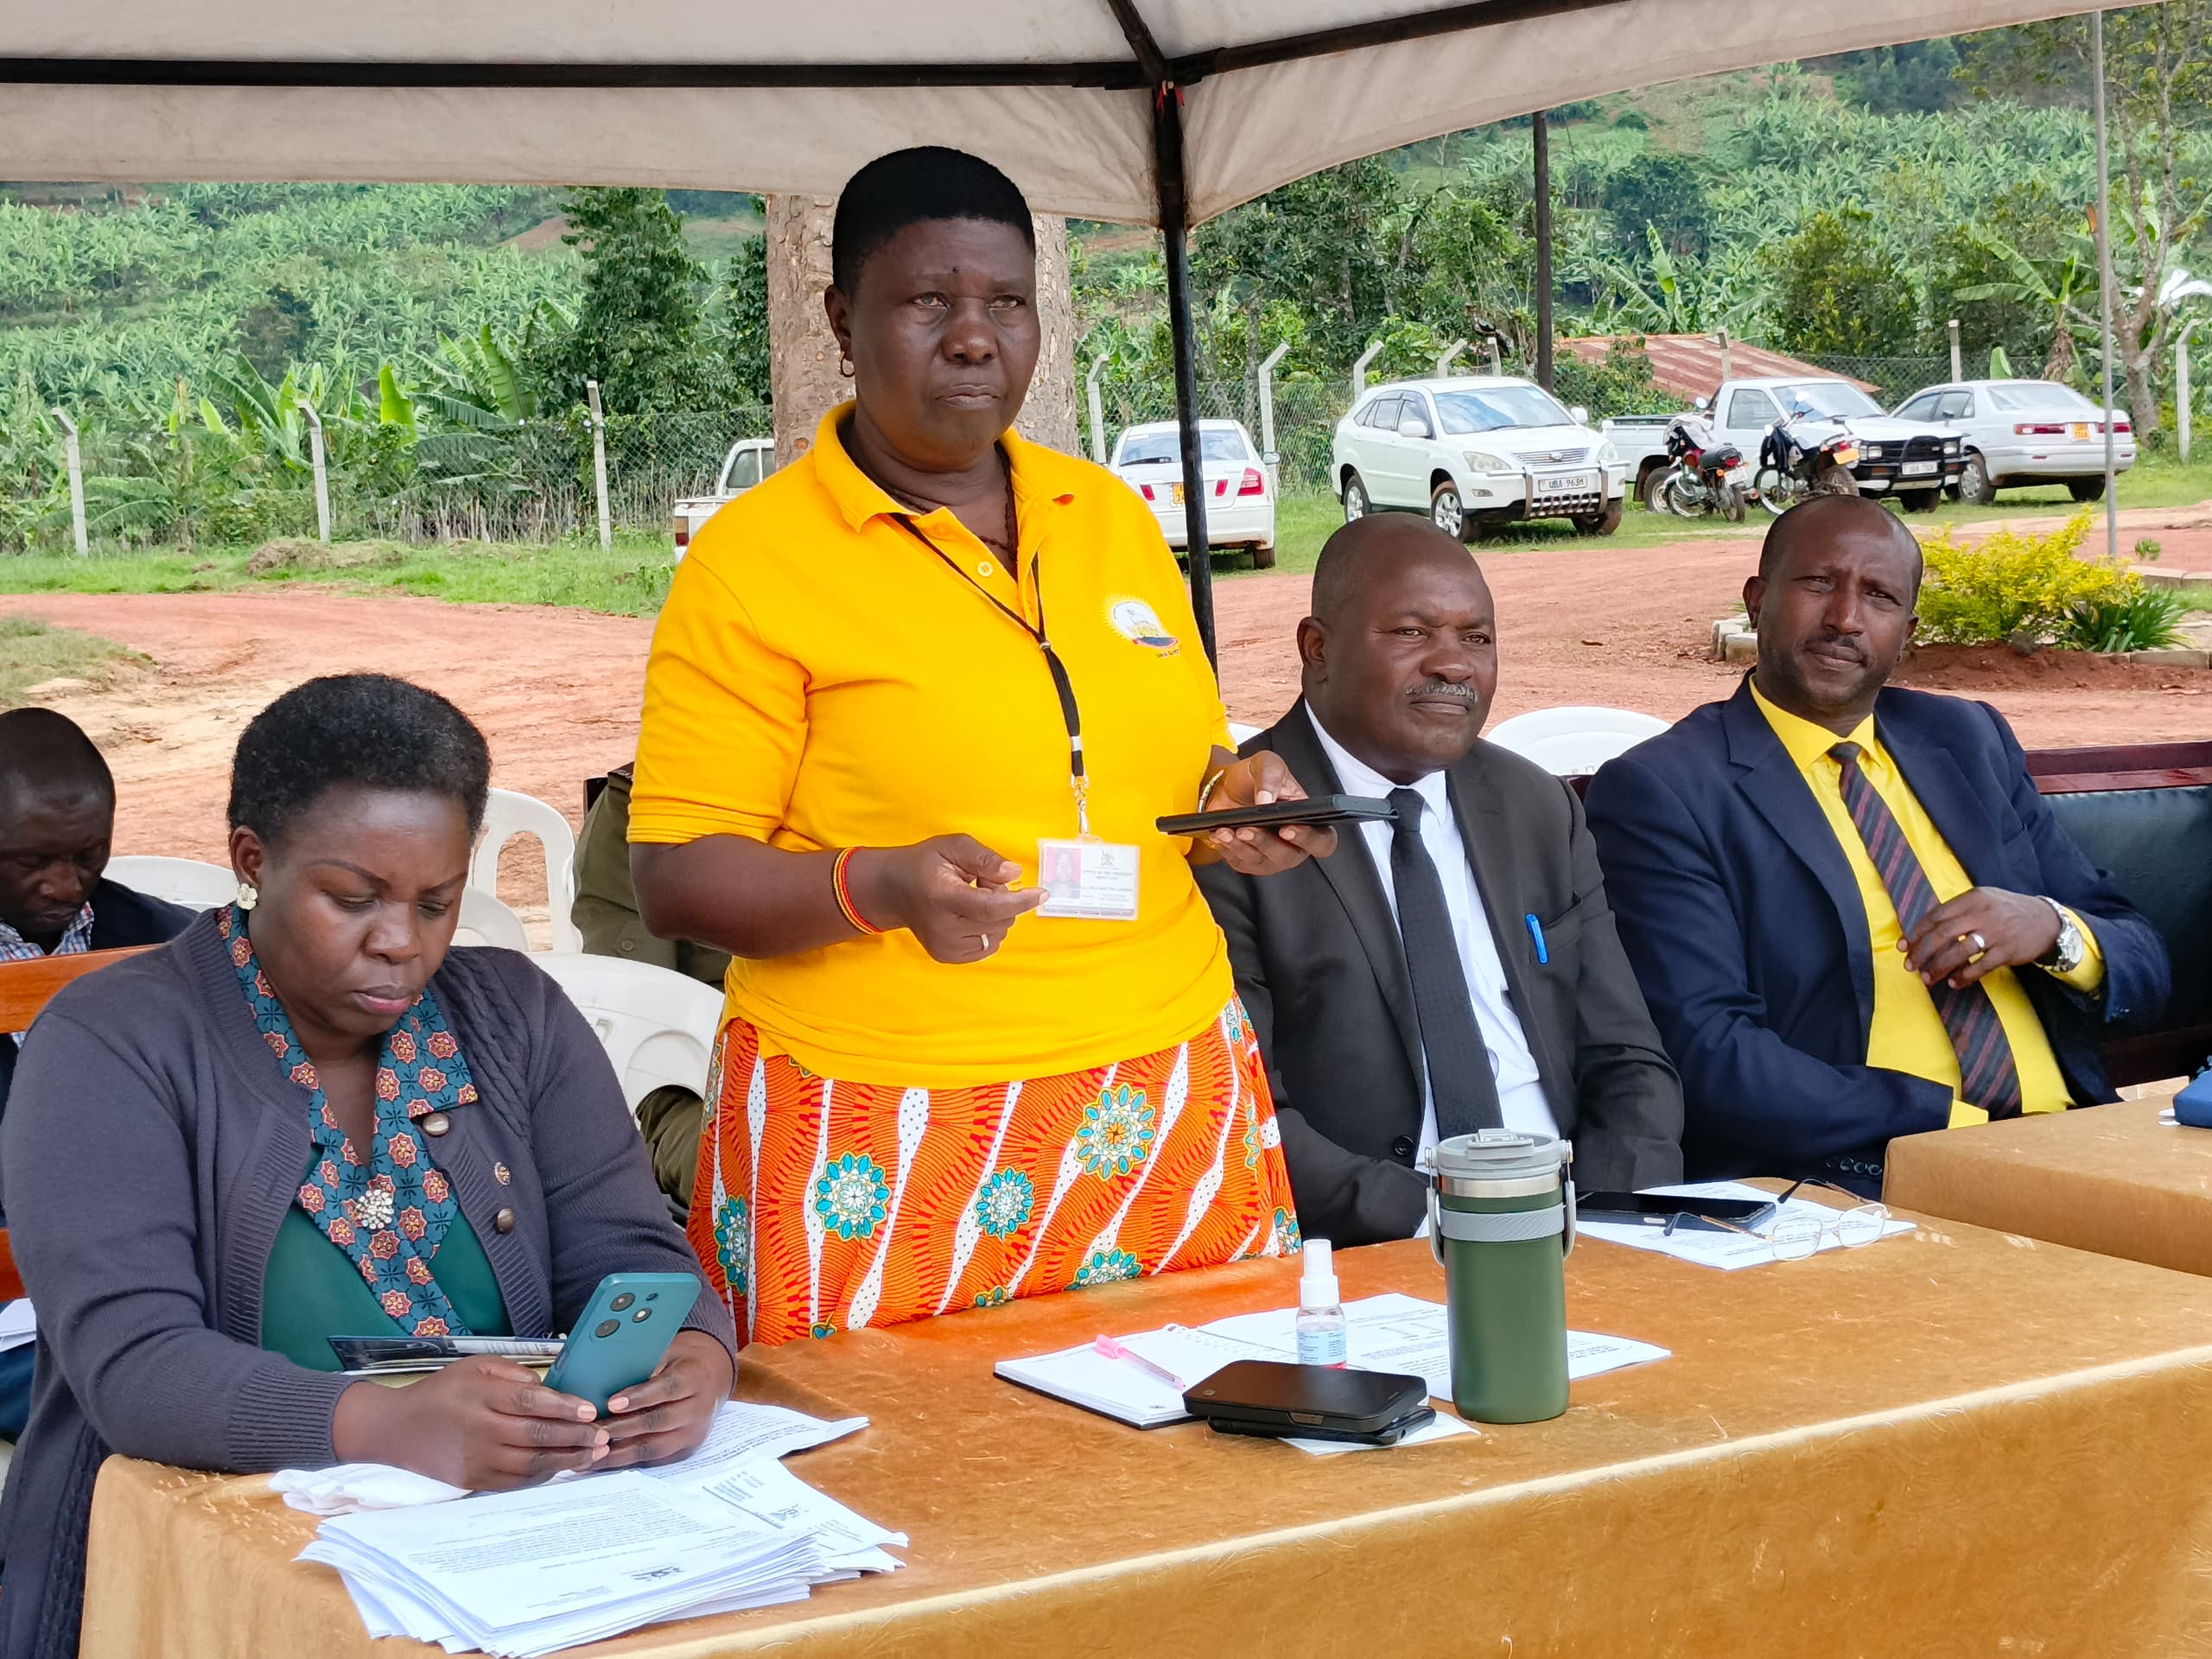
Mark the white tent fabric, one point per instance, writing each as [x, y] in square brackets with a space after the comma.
[1083, 150]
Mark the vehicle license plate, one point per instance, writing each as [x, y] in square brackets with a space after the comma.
[1565, 483]
[2081, 430]
[1918, 468]
[1179, 494]
[1847, 456]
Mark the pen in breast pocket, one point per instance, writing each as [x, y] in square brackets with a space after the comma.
[1536, 932]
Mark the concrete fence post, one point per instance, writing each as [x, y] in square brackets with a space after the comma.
[76, 460]
[1359, 367]
[1727, 357]
[1448, 356]
[1097, 410]
[2181, 393]
[1958, 362]
[321, 477]
[599, 464]
[1269, 458]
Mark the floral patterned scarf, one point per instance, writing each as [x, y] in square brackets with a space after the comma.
[390, 1215]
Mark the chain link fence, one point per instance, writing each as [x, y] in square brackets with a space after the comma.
[190, 484]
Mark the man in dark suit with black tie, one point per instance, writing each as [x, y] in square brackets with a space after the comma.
[1454, 969]
[1853, 916]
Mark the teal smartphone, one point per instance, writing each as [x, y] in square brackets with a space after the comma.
[620, 1335]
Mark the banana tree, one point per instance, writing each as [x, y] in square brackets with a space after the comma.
[2060, 285]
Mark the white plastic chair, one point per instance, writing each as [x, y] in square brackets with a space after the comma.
[1240, 734]
[657, 1025]
[1574, 742]
[509, 814]
[185, 881]
[485, 920]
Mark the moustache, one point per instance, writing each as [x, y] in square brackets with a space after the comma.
[1842, 642]
[1435, 688]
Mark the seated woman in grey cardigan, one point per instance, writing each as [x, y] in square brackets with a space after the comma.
[305, 1117]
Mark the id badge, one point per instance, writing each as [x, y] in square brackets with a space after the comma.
[1089, 879]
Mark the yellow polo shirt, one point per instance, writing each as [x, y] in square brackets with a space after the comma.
[819, 678]
[1907, 1033]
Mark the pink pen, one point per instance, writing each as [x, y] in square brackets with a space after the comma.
[1113, 1350]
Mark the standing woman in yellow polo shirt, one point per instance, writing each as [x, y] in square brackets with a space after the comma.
[892, 686]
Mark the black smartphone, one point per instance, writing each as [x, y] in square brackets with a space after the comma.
[1315, 810]
[1657, 1209]
[1318, 1402]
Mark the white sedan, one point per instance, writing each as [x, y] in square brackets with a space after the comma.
[1240, 486]
[2020, 432]
[1474, 450]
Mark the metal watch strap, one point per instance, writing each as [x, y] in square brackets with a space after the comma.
[2055, 960]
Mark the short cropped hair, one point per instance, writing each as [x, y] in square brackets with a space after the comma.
[44, 753]
[909, 186]
[1826, 514]
[369, 731]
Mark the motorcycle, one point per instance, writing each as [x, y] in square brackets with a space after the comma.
[1805, 454]
[1702, 475]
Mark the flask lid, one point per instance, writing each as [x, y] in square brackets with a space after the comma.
[1469, 1165]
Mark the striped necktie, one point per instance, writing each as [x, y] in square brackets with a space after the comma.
[1987, 1078]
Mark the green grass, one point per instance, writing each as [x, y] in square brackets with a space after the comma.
[1304, 522]
[632, 578]
[629, 580]
[32, 652]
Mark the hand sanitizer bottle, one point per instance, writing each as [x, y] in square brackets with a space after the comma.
[1321, 1320]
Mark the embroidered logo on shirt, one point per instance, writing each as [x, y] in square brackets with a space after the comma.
[1136, 622]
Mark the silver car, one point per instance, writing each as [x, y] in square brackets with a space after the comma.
[2020, 432]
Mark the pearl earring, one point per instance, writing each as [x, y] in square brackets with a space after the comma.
[248, 895]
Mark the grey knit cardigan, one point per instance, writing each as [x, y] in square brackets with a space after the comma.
[151, 1149]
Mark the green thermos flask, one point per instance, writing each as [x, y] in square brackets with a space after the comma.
[1501, 1211]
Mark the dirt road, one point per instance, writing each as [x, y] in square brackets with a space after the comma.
[557, 691]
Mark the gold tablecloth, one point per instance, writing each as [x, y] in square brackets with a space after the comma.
[1948, 1443]
[2109, 1178]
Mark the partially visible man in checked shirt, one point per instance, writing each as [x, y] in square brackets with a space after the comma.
[1852, 916]
[57, 815]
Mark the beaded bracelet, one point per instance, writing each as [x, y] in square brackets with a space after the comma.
[845, 894]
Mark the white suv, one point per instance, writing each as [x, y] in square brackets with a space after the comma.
[1476, 450]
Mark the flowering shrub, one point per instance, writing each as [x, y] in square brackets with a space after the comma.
[2015, 587]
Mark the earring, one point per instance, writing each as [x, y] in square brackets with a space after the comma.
[248, 895]
[844, 365]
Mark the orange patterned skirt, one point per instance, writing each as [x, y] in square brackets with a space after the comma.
[825, 1206]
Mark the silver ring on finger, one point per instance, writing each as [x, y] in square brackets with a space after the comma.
[1980, 943]
[987, 943]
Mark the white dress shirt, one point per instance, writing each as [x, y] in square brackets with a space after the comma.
[1519, 1090]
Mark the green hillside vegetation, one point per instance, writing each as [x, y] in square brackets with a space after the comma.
[1844, 210]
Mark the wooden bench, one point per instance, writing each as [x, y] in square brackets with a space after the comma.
[25, 989]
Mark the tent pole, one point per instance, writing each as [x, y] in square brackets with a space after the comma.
[2104, 279]
[1174, 219]
[1540, 145]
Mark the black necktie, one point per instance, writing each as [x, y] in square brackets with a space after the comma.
[1459, 1078]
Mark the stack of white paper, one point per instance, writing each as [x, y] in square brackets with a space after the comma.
[580, 1559]
[18, 1325]
[1392, 1332]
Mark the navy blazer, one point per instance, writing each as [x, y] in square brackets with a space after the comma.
[1746, 930]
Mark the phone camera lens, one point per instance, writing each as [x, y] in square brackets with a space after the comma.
[622, 1301]
[608, 1327]
[641, 1316]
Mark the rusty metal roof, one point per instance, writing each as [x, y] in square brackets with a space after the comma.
[1689, 365]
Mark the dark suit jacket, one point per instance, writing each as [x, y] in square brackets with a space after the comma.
[1744, 923]
[1322, 969]
[120, 918]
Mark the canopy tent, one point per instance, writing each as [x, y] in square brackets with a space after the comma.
[1155, 111]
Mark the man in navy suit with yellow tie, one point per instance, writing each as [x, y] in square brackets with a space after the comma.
[1852, 916]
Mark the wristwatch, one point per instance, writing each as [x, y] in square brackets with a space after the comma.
[2068, 951]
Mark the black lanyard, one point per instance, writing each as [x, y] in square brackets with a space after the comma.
[1070, 712]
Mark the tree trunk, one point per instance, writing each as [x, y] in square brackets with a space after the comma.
[803, 379]
[1048, 414]
[803, 383]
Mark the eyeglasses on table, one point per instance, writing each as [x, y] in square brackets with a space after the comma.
[1794, 1238]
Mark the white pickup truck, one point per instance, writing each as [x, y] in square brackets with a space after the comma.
[1914, 459]
[749, 460]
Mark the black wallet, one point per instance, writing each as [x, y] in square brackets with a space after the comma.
[1315, 1402]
